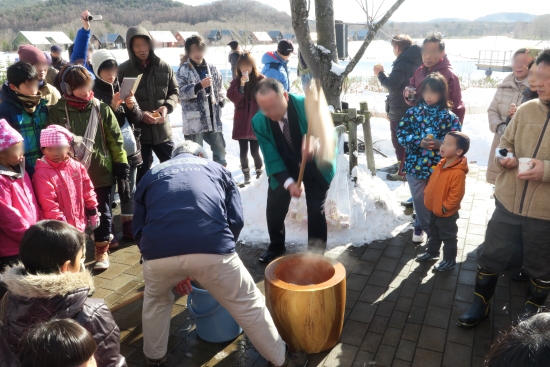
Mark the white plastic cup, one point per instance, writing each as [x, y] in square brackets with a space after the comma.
[524, 165]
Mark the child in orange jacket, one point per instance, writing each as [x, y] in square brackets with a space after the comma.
[442, 197]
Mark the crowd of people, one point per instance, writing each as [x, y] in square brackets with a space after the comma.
[68, 138]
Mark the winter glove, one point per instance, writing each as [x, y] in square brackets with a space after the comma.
[93, 218]
[122, 173]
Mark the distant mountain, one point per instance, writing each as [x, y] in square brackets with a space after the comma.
[507, 17]
[447, 20]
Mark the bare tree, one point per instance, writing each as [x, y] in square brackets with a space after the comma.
[322, 59]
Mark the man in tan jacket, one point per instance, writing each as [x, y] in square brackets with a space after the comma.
[522, 213]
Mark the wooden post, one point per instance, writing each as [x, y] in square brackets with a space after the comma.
[352, 140]
[369, 151]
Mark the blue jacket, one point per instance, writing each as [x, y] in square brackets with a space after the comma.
[187, 205]
[276, 68]
[80, 49]
[418, 122]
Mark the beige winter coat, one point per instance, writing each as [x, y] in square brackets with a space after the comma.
[508, 92]
[526, 198]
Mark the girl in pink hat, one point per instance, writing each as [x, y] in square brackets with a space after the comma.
[62, 185]
[18, 207]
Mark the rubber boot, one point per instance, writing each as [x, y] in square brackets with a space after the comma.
[246, 173]
[126, 221]
[536, 296]
[101, 255]
[484, 290]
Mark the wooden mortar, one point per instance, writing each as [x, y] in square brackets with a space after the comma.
[306, 296]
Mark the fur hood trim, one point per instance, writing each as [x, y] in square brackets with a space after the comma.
[44, 285]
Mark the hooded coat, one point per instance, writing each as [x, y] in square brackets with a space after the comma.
[104, 92]
[276, 68]
[158, 87]
[18, 209]
[195, 105]
[508, 92]
[445, 68]
[32, 299]
[64, 191]
[402, 70]
[108, 145]
[446, 188]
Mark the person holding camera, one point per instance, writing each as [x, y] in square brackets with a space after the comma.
[202, 98]
[81, 50]
[156, 94]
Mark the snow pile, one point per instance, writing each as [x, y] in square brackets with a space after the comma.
[374, 213]
[337, 69]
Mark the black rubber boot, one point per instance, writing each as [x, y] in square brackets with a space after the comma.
[536, 296]
[485, 289]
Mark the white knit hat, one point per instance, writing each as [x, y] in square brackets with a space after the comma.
[99, 57]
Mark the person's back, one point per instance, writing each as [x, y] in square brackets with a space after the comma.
[190, 195]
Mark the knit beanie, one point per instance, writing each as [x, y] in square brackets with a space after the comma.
[48, 57]
[55, 136]
[8, 135]
[99, 57]
[32, 55]
[56, 48]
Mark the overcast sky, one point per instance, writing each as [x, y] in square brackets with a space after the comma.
[421, 10]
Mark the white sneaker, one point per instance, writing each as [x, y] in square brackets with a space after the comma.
[418, 236]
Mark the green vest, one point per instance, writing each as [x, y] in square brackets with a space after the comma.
[272, 159]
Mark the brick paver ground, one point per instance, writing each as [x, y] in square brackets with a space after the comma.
[398, 312]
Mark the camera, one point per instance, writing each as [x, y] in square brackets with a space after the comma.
[92, 17]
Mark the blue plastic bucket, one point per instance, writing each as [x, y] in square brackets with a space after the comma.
[214, 323]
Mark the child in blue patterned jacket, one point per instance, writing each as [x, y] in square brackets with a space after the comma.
[421, 131]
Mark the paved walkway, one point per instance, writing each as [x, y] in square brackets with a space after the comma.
[398, 312]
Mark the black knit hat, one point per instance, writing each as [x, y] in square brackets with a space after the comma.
[285, 47]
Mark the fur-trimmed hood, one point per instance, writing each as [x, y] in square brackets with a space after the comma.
[22, 284]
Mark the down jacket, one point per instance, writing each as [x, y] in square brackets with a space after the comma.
[64, 191]
[32, 299]
[446, 188]
[18, 209]
[108, 146]
[508, 92]
[194, 106]
[444, 68]
[402, 70]
[158, 87]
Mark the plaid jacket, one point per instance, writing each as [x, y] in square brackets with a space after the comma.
[28, 125]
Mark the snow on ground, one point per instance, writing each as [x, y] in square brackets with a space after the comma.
[374, 204]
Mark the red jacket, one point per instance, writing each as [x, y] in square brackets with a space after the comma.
[244, 111]
[446, 188]
[64, 190]
[455, 94]
[18, 210]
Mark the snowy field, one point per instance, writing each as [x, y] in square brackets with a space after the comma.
[374, 212]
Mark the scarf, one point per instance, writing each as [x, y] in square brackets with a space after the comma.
[79, 103]
[29, 102]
